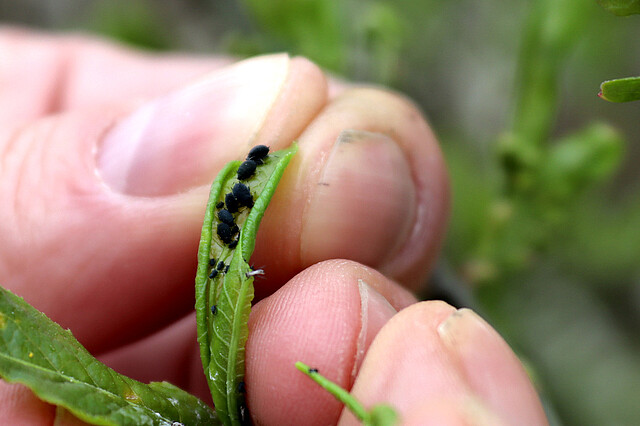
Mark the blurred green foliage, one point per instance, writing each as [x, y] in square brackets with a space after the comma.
[532, 219]
[136, 23]
[355, 38]
[546, 217]
[621, 7]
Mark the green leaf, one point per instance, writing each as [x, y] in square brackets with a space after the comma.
[621, 90]
[578, 161]
[621, 7]
[38, 353]
[223, 297]
[379, 415]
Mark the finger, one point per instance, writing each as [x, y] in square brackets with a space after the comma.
[369, 184]
[172, 354]
[101, 209]
[327, 317]
[45, 73]
[430, 354]
[92, 227]
[19, 406]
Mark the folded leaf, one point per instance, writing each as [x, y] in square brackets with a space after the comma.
[621, 90]
[40, 354]
[224, 281]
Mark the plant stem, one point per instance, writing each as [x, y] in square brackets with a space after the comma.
[340, 394]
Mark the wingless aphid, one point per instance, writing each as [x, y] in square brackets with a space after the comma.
[225, 216]
[224, 232]
[258, 153]
[231, 203]
[247, 169]
[242, 193]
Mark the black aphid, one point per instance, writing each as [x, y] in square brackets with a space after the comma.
[212, 261]
[220, 205]
[224, 232]
[258, 153]
[213, 274]
[247, 169]
[241, 387]
[221, 266]
[233, 244]
[313, 370]
[227, 268]
[242, 193]
[235, 229]
[231, 202]
[226, 217]
[214, 309]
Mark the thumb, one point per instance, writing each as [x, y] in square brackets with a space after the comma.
[100, 210]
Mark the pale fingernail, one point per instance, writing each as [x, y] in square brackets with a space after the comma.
[375, 311]
[478, 414]
[179, 140]
[363, 206]
[492, 370]
[459, 410]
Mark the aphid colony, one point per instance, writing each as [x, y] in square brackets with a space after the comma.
[239, 197]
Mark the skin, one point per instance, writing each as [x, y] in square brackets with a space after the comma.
[106, 155]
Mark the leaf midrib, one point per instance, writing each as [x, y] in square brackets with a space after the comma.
[72, 379]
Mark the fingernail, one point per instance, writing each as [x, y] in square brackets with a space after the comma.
[491, 367]
[363, 205]
[179, 140]
[375, 311]
[450, 410]
[477, 413]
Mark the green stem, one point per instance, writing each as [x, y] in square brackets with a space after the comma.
[552, 29]
[340, 394]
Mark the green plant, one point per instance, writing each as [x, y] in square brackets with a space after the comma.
[378, 415]
[623, 89]
[38, 353]
[224, 293]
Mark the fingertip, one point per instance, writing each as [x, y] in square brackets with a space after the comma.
[430, 350]
[19, 406]
[368, 184]
[324, 317]
[491, 367]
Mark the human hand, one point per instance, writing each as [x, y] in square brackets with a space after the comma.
[106, 156]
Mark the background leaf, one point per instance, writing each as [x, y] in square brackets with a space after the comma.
[621, 90]
[621, 7]
[38, 353]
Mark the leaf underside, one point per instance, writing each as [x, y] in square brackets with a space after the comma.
[621, 90]
[222, 334]
[40, 354]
